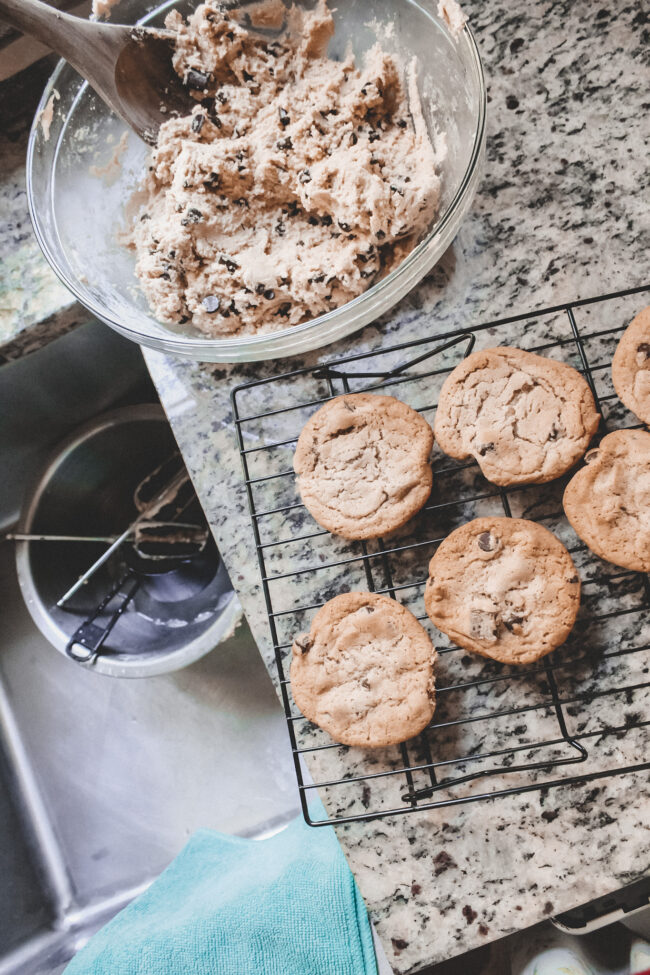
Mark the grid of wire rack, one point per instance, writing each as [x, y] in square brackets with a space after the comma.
[579, 714]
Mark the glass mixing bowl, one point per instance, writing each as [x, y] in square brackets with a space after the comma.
[77, 199]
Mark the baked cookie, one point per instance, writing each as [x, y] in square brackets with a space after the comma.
[525, 418]
[505, 588]
[631, 366]
[608, 501]
[363, 464]
[364, 672]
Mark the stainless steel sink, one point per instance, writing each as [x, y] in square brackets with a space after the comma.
[102, 780]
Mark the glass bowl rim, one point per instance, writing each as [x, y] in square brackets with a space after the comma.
[190, 344]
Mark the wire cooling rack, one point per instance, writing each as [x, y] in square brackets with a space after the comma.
[578, 715]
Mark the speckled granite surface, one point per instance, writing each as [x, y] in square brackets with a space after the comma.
[561, 213]
[34, 306]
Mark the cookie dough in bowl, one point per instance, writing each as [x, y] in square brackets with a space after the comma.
[296, 181]
[274, 303]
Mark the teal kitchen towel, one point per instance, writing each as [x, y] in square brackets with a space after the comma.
[287, 905]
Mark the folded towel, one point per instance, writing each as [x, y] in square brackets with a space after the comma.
[287, 905]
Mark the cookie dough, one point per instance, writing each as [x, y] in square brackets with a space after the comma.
[525, 419]
[364, 672]
[363, 464]
[296, 182]
[505, 588]
[608, 501]
[631, 366]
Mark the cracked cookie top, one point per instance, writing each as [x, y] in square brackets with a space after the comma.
[631, 366]
[364, 672]
[526, 419]
[505, 588]
[608, 501]
[363, 464]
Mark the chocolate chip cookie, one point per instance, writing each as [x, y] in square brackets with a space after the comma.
[608, 501]
[525, 418]
[363, 464]
[505, 588]
[364, 672]
[631, 366]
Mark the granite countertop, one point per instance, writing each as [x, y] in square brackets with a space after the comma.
[560, 214]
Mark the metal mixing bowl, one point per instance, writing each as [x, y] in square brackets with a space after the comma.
[77, 215]
[86, 488]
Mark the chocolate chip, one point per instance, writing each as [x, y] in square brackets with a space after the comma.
[213, 181]
[396, 189]
[284, 143]
[380, 235]
[644, 348]
[482, 451]
[230, 35]
[280, 229]
[241, 202]
[284, 117]
[557, 430]
[221, 97]
[303, 643]
[196, 79]
[344, 226]
[326, 220]
[284, 309]
[230, 265]
[486, 542]
[269, 294]
[197, 123]
[211, 304]
[193, 216]
[354, 139]
[401, 123]
[314, 221]
[145, 216]
[259, 289]
[373, 137]
[305, 176]
[512, 621]
[247, 76]
[317, 279]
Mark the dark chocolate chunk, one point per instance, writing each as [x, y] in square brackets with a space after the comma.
[354, 139]
[380, 235]
[486, 542]
[303, 643]
[269, 294]
[197, 123]
[284, 309]
[284, 117]
[230, 35]
[644, 347]
[284, 143]
[482, 450]
[326, 220]
[401, 123]
[212, 182]
[230, 265]
[248, 76]
[197, 80]
[373, 137]
[211, 304]
[314, 221]
[193, 216]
